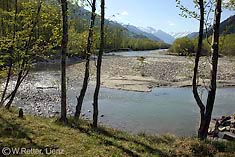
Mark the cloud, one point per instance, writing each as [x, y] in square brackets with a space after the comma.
[124, 13]
[170, 23]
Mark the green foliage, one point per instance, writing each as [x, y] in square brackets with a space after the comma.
[227, 45]
[182, 46]
[185, 46]
[145, 44]
[77, 42]
[230, 4]
[45, 35]
[205, 45]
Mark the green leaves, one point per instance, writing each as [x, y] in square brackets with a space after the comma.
[46, 35]
[182, 46]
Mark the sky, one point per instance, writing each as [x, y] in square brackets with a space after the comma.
[159, 14]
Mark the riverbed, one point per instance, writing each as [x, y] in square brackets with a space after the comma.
[138, 97]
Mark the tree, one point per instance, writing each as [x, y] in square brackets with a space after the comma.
[64, 44]
[20, 52]
[11, 56]
[182, 46]
[98, 68]
[23, 42]
[206, 110]
[196, 65]
[87, 66]
[203, 130]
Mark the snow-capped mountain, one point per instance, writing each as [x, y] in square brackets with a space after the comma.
[167, 38]
[148, 29]
[139, 31]
[179, 34]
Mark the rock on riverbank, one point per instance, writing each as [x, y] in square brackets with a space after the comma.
[223, 128]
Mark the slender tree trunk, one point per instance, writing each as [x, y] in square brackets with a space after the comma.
[7, 83]
[11, 56]
[13, 94]
[64, 44]
[24, 68]
[215, 56]
[206, 111]
[99, 63]
[197, 59]
[87, 66]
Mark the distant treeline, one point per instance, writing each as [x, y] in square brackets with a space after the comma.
[187, 46]
[115, 38]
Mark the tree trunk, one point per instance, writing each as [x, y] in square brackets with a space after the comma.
[7, 83]
[11, 56]
[215, 56]
[24, 68]
[196, 65]
[88, 54]
[12, 95]
[206, 111]
[64, 44]
[83, 90]
[99, 63]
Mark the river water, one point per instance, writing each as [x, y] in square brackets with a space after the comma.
[163, 110]
[151, 53]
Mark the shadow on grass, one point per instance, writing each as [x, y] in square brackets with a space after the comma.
[109, 139]
[146, 147]
[15, 132]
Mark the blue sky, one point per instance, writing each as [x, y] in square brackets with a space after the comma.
[159, 14]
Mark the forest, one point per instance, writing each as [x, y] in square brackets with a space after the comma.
[75, 83]
[187, 46]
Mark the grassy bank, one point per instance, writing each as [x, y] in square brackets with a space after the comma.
[80, 140]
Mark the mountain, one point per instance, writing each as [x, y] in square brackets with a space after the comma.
[179, 34]
[78, 12]
[138, 31]
[192, 35]
[167, 38]
[226, 27]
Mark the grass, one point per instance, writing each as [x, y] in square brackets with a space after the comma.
[79, 139]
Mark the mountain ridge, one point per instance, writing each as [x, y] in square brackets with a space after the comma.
[167, 38]
[226, 27]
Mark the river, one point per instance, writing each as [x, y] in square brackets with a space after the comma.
[163, 110]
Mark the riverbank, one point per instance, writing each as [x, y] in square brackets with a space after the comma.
[81, 140]
[131, 73]
[154, 69]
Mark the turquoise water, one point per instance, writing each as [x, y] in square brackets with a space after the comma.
[153, 53]
[164, 110]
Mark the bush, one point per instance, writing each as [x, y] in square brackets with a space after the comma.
[182, 46]
[227, 45]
